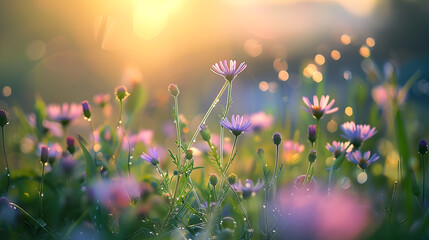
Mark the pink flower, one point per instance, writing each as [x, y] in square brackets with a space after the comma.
[313, 215]
[319, 110]
[101, 99]
[115, 194]
[228, 72]
[383, 94]
[52, 127]
[144, 136]
[261, 121]
[64, 113]
[292, 151]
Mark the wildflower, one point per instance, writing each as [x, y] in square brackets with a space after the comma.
[228, 72]
[205, 133]
[4, 118]
[101, 99]
[151, 156]
[382, 95]
[174, 90]
[44, 154]
[121, 93]
[338, 147]
[423, 147]
[86, 109]
[115, 194]
[318, 216]
[292, 151]
[143, 136]
[277, 138]
[71, 144]
[237, 125]
[261, 121]
[248, 189]
[356, 134]
[363, 161]
[67, 163]
[312, 131]
[65, 113]
[49, 127]
[312, 156]
[319, 110]
[213, 179]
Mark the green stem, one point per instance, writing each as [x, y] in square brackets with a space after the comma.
[228, 104]
[93, 140]
[393, 198]
[306, 180]
[7, 164]
[179, 139]
[75, 224]
[32, 218]
[424, 181]
[215, 101]
[41, 191]
[225, 170]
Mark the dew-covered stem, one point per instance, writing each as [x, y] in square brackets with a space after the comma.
[228, 104]
[215, 101]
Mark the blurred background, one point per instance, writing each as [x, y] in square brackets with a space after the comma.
[71, 50]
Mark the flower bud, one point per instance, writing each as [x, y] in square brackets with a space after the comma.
[213, 179]
[312, 129]
[121, 93]
[232, 179]
[86, 109]
[205, 133]
[312, 156]
[175, 172]
[189, 154]
[4, 118]
[423, 147]
[261, 153]
[277, 138]
[71, 145]
[44, 154]
[174, 90]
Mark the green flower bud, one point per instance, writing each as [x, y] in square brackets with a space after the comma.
[213, 179]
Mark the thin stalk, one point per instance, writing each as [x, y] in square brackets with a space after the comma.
[267, 230]
[424, 181]
[7, 164]
[228, 104]
[275, 173]
[306, 180]
[393, 198]
[224, 171]
[41, 191]
[32, 218]
[121, 124]
[176, 116]
[214, 193]
[215, 101]
[93, 140]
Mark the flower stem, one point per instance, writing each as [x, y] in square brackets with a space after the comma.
[215, 101]
[93, 140]
[7, 164]
[179, 139]
[228, 164]
[331, 168]
[424, 181]
[42, 191]
[228, 104]
[273, 181]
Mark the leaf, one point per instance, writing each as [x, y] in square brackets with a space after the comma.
[91, 169]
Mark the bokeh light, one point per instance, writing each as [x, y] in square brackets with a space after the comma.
[283, 75]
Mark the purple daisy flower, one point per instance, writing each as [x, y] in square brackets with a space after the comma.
[356, 134]
[363, 161]
[338, 147]
[151, 156]
[319, 110]
[228, 72]
[237, 125]
[64, 113]
[248, 189]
